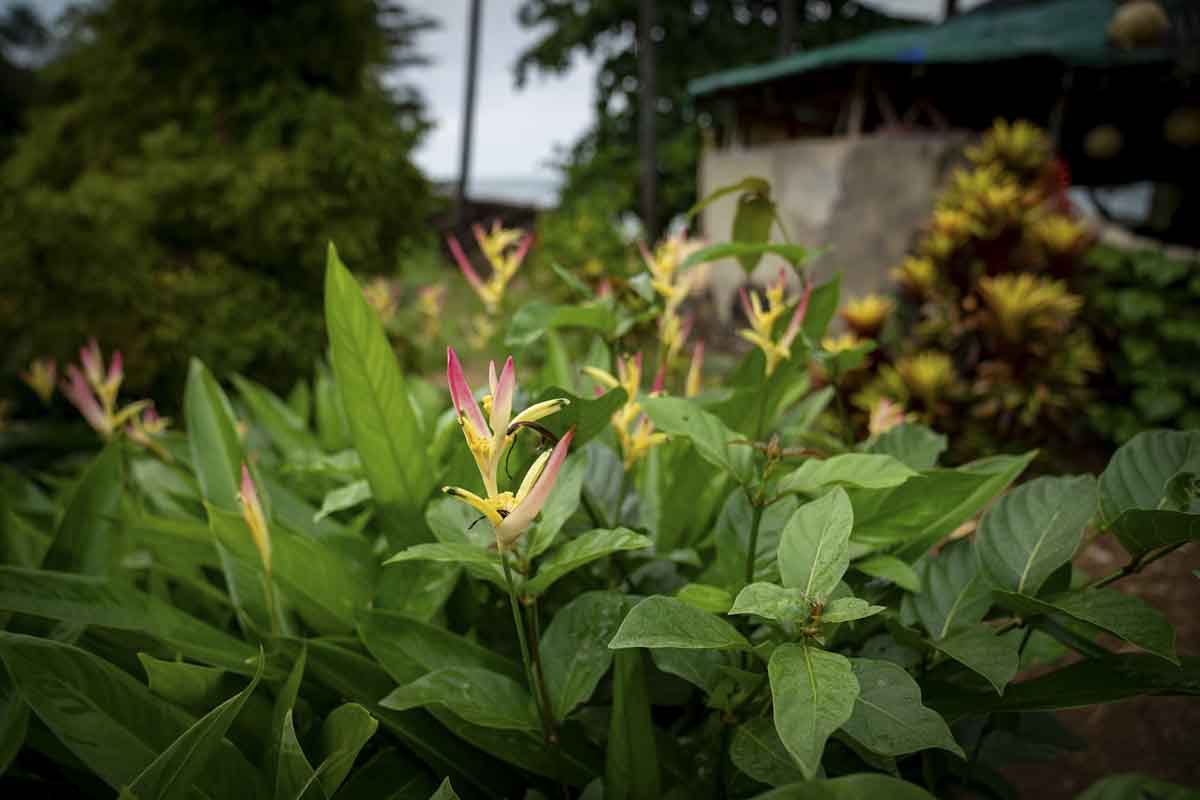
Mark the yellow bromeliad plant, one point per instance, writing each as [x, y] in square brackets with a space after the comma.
[989, 342]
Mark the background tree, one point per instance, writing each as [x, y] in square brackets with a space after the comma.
[692, 39]
[183, 167]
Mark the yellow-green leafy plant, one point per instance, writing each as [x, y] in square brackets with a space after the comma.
[987, 341]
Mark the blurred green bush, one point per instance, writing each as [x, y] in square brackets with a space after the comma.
[173, 189]
[1144, 308]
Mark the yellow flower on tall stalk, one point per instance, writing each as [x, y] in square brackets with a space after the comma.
[866, 315]
[505, 249]
[763, 318]
[635, 431]
[487, 438]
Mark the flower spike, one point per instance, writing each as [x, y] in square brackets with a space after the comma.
[522, 515]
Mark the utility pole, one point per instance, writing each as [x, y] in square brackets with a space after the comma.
[468, 117]
[787, 26]
[647, 114]
[949, 9]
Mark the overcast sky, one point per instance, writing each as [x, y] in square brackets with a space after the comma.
[516, 131]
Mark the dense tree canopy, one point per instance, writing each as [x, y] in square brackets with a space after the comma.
[693, 39]
[183, 167]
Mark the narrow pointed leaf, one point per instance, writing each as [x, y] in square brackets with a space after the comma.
[477, 695]
[632, 770]
[344, 733]
[892, 569]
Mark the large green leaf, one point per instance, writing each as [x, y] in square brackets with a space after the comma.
[813, 692]
[1141, 530]
[287, 429]
[173, 772]
[666, 622]
[383, 420]
[483, 564]
[296, 779]
[891, 569]
[757, 750]
[862, 786]
[477, 695]
[589, 416]
[714, 442]
[752, 227]
[326, 585]
[889, 718]
[771, 601]
[84, 539]
[732, 536]
[333, 428]
[745, 252]
[1141, 471]
[632, 769]
[1136, 787]
[814, 550]
[915, 445]
[955, 595]
[532, 320]
[85, 600]
[574, 649]
[1122, 615]
[212, 436]
[389, 775]
[344, 733]
[342, 498]
[919, 512]
[1034, 530]
[286, 763]
[980, 650]
[583, 549]
[863, 470]
[361, 680]
[108, 720]
[407, 648]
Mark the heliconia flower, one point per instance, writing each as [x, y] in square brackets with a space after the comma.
[635, 431]
[93, 362]
[76, 389]
[692, 385]
[142, 428]
[660, 379]
[604, 289]
[380, 294]
[488, 438]
[511, 514]
[762, 320]
[885, 415]
[111, 384]
[256, 520]
[464, 264]
[41, 377]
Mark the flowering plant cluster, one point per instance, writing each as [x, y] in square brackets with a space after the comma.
[566, 586]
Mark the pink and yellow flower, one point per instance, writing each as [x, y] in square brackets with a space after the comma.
[763, 318]
[94, 391]
[256, 520]
[635, 431]
[505, 249]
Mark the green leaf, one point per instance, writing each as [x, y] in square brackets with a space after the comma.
[666, 622]
[822, 305]
[892, 569]
[701, 668]
[14, 722]
[296, 779]
[863, 470]
[589, 416]
[752, 184]
[889, 718]
[212, 436]
[712, 440]
[360, 679]
[746, 252]
[757, 750]
[477, 695]
[581, 550]
[732, 536]
[173, 772]
[863, 786]
[391, 775]
[632, 770]
[407, 648]
[483, 564]
[86, 600]
[1034, 530]
[921, 511]
[814, 550]
[285, 760]
[848, 609]
[108, 720]
[444, 792]
[574, 649]
[326, 585]
[980, 650]
[956, 595]
[534, 318]
[752, 226]
[333, 429]
[773, 602]
[915, 445]
[383, 421]
[813, 692]
[1141, 530]
[1141, 471]
[418, 589]
[84, 539]
[342, 498]
[712, 599]
[343, 734]
[288, 431]
[1122, 615]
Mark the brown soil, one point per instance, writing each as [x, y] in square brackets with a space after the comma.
[1155, 736]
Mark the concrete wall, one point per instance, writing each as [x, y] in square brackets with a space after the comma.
[862, 199]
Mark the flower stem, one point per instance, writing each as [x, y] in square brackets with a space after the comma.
[752, 549]
[1134, 566]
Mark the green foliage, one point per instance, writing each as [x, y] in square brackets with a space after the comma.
[726, 615]
[1144, 307]
[182, 166]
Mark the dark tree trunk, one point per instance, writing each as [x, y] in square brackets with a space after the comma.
[647, 118]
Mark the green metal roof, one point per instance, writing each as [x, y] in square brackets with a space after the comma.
[1072, 31]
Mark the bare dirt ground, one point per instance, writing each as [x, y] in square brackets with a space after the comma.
[1155, 736]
